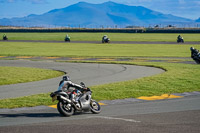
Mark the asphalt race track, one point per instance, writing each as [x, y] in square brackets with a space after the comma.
[99, 42]
[166, 116]
[90, 74]
[171, 115]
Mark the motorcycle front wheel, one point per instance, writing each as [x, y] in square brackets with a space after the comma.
[95, 107]
[65, 109]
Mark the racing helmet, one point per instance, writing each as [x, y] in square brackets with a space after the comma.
[66, 78]
[191, 48]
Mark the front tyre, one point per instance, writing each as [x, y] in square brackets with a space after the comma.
[65, 109]
[95, 107]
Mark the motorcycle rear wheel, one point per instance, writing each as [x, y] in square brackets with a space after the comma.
[197, 61]
[95, 107]
[65, 109]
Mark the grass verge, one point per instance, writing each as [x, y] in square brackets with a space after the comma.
[94, 50]
[13, 75]
[178, 78]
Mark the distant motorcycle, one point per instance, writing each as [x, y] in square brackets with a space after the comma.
[84, 103]
[67, 39]
[195, 55]
[5, 38]
[105, 39]
[180, 40]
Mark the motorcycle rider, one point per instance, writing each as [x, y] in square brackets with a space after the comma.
[67, 38]
[63, 79]
[194, 51]
[105, 37]
[179, 37]
[4, 37]
[66, 83]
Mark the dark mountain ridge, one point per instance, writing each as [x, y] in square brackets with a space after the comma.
[107, 14]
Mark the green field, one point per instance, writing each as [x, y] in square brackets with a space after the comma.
[158, 37]
[178, 77]
[13, 75]
[94, 50]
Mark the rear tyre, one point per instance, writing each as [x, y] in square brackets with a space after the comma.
[65, 109]
[197, 61]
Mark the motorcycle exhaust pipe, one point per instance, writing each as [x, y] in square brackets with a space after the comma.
[69, 101]
[66, 99]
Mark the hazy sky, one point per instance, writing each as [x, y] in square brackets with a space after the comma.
[20, 8]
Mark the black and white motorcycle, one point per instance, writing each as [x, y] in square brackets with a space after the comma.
[195, 55]
[180, 39]
[105, 39]
[67, 38]
[84, 103]
[5, 38]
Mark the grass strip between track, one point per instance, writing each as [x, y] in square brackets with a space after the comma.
[13, 75]
[76, 50]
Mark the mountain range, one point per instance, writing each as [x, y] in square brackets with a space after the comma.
[89, 15]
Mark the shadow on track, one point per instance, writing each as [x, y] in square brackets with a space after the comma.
[36, 115]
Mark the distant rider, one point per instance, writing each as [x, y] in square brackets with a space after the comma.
[67, 36]
[4, 37]
[105, 37]
[194, 52]
[179, 37]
